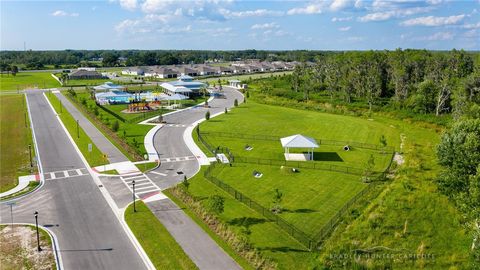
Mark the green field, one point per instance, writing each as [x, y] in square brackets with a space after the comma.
[310, 197]
[28, 80]
[14, 140]
[161, 248]
[94, 158]
[244, 77]
[409, 215]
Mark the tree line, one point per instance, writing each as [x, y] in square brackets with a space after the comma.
[111, 58]
[422, 81]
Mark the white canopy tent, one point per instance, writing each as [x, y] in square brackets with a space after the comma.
[298, 141]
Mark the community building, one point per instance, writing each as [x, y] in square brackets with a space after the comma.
[185, 85]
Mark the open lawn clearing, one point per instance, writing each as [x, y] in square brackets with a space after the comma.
[310, 197]
[143, 167]
[255, 118]
[264, 235]
[15, 137]
[28, 80]
[18, 249]
[244, 77]
[94, 158]
[325, 154]
[161, 248]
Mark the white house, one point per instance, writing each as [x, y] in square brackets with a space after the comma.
[135, 71]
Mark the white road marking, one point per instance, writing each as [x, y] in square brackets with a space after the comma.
[162, 174]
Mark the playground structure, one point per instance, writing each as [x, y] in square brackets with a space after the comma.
[139, 107]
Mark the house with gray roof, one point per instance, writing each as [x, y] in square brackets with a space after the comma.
[84, 74]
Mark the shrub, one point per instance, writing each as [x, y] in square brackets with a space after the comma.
[226, 111]
[215, 204]
[95, 111]
[115, 125]
[235, 103]
[207, 115]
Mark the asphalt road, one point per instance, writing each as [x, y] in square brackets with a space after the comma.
[72, 206]
[169, 143]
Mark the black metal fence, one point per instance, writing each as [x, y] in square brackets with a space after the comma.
[308, 241]
[320, 141]
[296, 233]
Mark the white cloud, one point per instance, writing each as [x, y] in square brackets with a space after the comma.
[396, 13]
[250, 13]
[471, 25]
[434, 21]
[128, 4]
[313, 8]
[471, 33]
[340, 4]
[265, 26]
[344, 29]
[61, 13]
[344, 19]
[438, 36]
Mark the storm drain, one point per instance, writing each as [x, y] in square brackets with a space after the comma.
[180, 173]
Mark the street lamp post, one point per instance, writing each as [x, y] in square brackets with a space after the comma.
[30, 152]
[38, 236]
[133, 186]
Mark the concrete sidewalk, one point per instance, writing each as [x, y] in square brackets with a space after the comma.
[103, 144]
[196, 243]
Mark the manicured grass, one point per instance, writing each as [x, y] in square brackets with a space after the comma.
[146, 166]
[28, 80]
[325, 154]
[310, 197]
[94, 158]
[160, 246]
[15, 136]
[255, 118]
[244, 77]
[91, 82]
[264, 235]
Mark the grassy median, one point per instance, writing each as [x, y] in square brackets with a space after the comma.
[161, 248]
[15, 136]
[95, 157]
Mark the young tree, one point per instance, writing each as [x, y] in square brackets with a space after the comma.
[185, 183]
[226, 111]
[216, 204]
[207, 115]
[14, 70]
[276, 201]
[369, 165]
[383, 142]
[235, 103]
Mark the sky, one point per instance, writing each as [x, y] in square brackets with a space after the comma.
[235, 24]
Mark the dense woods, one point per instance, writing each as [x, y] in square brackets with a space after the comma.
[421, 81]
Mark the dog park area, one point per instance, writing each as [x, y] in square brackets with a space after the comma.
[302, 200]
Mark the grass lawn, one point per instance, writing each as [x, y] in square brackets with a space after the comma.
[31, 186]
[310, 197]
[264, 235]
[243, 77]
[15, 136]
[160, 246]
[89, 82]
[28, 80]
[325, 154]
[146, 166]
[94, 158]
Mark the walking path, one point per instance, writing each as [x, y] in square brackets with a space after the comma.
[103, 144]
